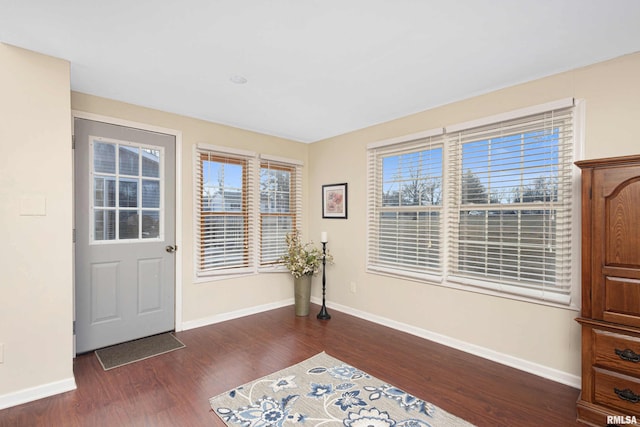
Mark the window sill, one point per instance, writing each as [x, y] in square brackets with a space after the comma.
[473, 286]
[214, 277]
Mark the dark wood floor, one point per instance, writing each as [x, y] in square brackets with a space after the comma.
[173, 389]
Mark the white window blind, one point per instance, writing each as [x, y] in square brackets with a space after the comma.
[497, 217]
[509, 196]
[405, 206]
[280, 206]
[224, 211]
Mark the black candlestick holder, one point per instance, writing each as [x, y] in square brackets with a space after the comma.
[324, 315]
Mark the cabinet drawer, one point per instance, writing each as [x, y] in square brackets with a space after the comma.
[617, 391]
[617, 351]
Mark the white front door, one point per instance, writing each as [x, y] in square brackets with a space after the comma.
[125, 233]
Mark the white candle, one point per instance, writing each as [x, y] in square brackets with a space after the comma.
[323, 237]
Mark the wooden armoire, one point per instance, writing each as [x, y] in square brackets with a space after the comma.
[610, 315]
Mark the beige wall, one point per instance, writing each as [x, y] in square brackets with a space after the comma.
[37, 299]
[35, 223]
[535, 334]
[208, 301]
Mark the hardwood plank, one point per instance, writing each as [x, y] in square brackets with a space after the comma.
[173, 389]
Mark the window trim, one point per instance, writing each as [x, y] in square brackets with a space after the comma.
[226, 154]
[295, 201]
[572, 301]
[511, 277]
[376, 153]
[117, 175]
[253, 223]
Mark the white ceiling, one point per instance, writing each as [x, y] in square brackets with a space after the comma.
[315, 68]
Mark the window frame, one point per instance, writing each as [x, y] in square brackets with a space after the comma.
[449, 224]
[294, 167]
[245, 159]
[377, 152]
[119, 177]
[251, 210]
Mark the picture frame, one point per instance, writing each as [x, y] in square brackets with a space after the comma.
[334, 201]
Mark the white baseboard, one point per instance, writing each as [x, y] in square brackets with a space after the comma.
[505, 359]
[46, 390]
[502, 358]
[35, 393]
[210, 320]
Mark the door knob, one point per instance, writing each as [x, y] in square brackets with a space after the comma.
[171, 249]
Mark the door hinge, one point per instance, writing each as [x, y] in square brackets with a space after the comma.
[74, 327]
[590, 194]
[73, 235]
[73, 142]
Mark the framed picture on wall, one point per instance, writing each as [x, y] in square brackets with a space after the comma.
[334, 201]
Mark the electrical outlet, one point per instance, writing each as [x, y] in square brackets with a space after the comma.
[353, 287]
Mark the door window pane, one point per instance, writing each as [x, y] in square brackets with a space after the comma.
[128, 225]
[150, 224]
[125, 180]
[150, 194]
[150, 163]
[105, 192]
[104, 157]
[104, 224]
[128, 193]
[129, 160]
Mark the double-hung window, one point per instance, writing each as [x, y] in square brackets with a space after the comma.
[484, 204]
[224, 211]
[510, 200]
[405, 210]
[280, 205]
[245, 205]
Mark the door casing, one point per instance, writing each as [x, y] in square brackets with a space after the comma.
[178, 202]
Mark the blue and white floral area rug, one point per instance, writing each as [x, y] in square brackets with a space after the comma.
[324, 391]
